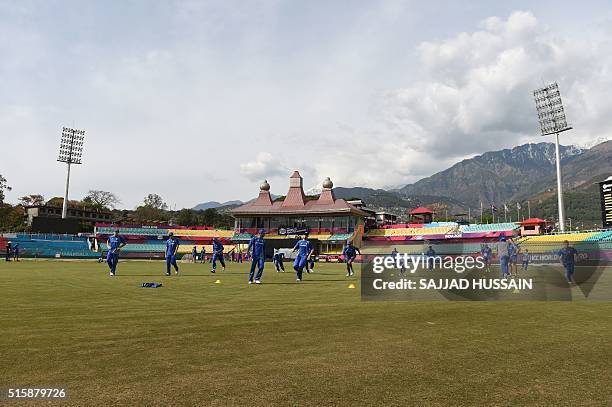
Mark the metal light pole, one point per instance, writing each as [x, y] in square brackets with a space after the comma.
[553, 121]
[70, 152]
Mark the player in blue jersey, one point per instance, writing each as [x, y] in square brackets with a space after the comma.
[504, 257]
[217, 254]
[304, 249]
[114, 244]
[16, 252]
[257, 245]
[172, 245]
[567, 257]
[194, 254]
[431, 255]
[487, 254]
[350, 253]
[513, 252]
[525, 258]
[278, 261]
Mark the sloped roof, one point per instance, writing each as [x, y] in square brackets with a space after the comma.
[533, 221]
[421, 210]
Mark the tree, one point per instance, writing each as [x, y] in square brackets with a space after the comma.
[185, 217]
[3, 187]
[155, 201]
[153, 210]
[32, 200]
[101, 200]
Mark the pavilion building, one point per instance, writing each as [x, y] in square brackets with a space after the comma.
[330, 221]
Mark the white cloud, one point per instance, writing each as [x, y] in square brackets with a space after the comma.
[265, 165]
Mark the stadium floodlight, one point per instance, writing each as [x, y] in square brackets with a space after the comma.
[70, 152]
[553, 121]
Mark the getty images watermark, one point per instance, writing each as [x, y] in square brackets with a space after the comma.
[482, 276]
[406, 263]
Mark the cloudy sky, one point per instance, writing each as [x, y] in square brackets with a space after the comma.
[202, 100]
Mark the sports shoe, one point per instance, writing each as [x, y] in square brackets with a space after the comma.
[348, 274]
[112, 274]
[212, 271]
[298, 280]
[250, 282]
[176, 272]
[257, 282]
[167, 274]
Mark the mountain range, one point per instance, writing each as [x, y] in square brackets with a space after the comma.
[526, 172]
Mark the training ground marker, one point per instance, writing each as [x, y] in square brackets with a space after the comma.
[351, 285]
[218, 282]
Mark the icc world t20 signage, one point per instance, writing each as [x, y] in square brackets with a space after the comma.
[605, 189]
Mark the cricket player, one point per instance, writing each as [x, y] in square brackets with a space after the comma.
[217, 254]
[504, 257]
[487, 254]
[525, 259]
[278, 261]
[114, 244]
[567, 257]
[16, 252]
[257, 244]
[304, 249]
[203, 254]
[194, 254]
[431, 254]
[350, 253]
[513, 252]
[172, 245]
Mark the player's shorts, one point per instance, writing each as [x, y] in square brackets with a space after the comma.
[513, 258]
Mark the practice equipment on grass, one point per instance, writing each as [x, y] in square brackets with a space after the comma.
[151, 285]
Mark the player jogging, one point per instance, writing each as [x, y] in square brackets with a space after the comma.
[304, 249]
[217, 254]
[114, 243]
[350, 253]
[172, 245]
[567, 257]
[257, 244]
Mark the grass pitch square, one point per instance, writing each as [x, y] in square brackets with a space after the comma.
[193, 342]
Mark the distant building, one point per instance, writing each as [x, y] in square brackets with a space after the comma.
[385, 218]
[329, 220]
[44, 218]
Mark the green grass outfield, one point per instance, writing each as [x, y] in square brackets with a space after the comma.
[194, 342]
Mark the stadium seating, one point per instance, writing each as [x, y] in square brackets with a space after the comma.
[105, 230]
[34, 245]
[600, 237]
[489, 227]
[396, 232]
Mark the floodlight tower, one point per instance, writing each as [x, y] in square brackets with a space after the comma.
[552, 121]
[70, 152]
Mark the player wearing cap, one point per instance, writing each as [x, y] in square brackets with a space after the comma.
[257, 244]
[304, 249]
[172, 245]
[114, 243]
[217, 254]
